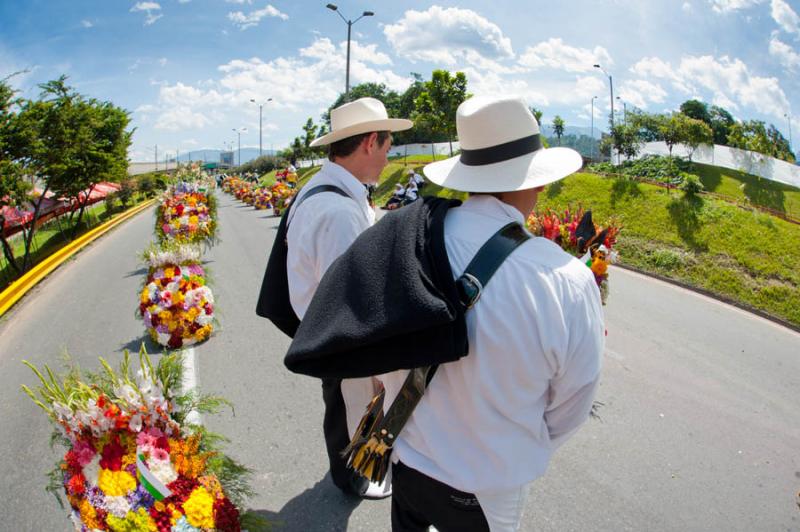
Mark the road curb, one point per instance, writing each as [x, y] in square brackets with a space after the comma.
[24, 284]
[712, 295]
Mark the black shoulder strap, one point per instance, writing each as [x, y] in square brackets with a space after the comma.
[487, 261]
[313, 191]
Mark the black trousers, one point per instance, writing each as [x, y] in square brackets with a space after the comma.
[418, 501]
[337, 437]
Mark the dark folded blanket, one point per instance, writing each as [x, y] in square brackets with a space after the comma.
[389, 302]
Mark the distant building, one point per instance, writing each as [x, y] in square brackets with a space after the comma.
[226, 158]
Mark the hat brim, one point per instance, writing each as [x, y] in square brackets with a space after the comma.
[532, 170]
[387, 124]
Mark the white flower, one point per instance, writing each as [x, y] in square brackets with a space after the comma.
[91, 471]
[129, 394]
[136, 423]
[118, 506]
[162, 470]
[204, 319]
[163, 338]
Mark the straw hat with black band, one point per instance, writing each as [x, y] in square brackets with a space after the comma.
[364, 115]
[501, 150]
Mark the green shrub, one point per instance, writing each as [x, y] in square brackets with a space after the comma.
[146, 185]
[126, 192]
[110, 200]
[691, 184]
[651, 167]
[665, 259]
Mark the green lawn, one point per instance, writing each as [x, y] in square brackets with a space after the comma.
[51, 236]
[747, 187]
[737, 253]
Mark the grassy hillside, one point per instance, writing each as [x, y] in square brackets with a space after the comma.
[747, 187]
[741, 254]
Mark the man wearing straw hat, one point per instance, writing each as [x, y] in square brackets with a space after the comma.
[320, 229]
[489, 422]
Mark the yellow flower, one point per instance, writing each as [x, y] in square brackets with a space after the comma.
[145, 297]
[199, 508]
[116, 483]
[211, 483]
[138, 521]
[193, 220]
[128, 459]
[169, 272]
[89, 516]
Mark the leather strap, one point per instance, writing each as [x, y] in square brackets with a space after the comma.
[488, 259]
[312, 192]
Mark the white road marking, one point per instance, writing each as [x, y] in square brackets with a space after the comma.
[190, 382]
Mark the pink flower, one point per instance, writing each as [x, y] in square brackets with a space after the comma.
[84, 452]
[160, 454]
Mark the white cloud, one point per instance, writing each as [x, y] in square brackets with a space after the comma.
[148, 7]
[181, 118]
[687, 7]
[254, 17]
[324, 48]
[86, 23]
[658, 68]
[442, 35]
[726, 6]
[785, 17]
[554, 53]
[784, 53]
[641, 92]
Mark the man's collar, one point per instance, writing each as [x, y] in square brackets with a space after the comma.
[491, 206]
[342, 175]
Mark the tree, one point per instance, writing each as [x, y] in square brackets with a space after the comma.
[310, 131]
[13, 187]
[721, 122]
[697, 110]
[647, 125]
[672, 129]
[436, 105]
[780, 146]
[695, 133]
[537, 114]
[558, 127]
[625, 137]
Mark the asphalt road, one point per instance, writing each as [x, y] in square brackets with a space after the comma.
[700, 428]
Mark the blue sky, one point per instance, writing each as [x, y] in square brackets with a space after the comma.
[187, 69]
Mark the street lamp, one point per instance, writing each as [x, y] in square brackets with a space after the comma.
[624, 111]
[259, 122]
[788, 118]
[349, 23]
[611, 87]
[239, 132]
[592, 129]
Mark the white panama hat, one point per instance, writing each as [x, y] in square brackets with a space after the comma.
[361, 116]
[501, 150]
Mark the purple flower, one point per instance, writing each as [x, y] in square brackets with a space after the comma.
[140, 498]
[96, 497]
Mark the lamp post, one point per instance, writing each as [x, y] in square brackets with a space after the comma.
[239, 132]
[349, 23]
[592, 128]
[260, 105]
[624, 111]
[611, 88]
[788, 118]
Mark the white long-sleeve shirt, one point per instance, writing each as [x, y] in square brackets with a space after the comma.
[321, 229]
[490, 421]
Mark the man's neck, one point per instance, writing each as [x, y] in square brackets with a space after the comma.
[355, 169]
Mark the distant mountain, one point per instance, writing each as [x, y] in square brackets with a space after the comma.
[212, 155]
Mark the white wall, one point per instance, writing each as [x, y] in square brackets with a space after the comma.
[735, 159]
[441, 149]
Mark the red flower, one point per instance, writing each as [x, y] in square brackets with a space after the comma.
[226, 516]
[111, 457]
[77, 484]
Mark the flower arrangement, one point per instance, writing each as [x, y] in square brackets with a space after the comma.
[186, 216]
[248, 196]
[262, 199]
[578, 235]
[175, 304]
[282, 196]
[133, 462]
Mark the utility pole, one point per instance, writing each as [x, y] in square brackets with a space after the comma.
[349, 23]
[156, 157]
[611, 88]
[592, 128]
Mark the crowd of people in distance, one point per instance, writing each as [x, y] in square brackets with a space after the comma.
[408, 193]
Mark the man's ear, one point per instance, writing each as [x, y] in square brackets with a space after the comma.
[370, 142]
